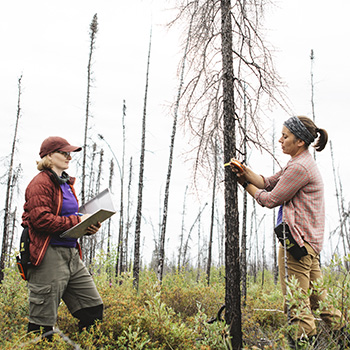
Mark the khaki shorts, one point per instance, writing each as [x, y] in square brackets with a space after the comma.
[61, 275]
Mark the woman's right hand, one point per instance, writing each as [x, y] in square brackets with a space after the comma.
[237, 167]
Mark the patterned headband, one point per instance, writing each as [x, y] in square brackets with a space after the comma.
[296, 127]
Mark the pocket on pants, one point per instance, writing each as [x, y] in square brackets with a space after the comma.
[39, 296]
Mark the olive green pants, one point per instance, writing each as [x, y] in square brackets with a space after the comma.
[61, 275]
[306, 271]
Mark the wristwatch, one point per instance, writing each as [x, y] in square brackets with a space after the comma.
[245, 184]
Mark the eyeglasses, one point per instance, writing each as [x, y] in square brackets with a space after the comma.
[66, 154]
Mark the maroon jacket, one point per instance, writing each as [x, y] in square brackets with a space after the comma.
[42, 208]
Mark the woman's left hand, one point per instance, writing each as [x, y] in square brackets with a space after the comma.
[92, 229]
[239, 169]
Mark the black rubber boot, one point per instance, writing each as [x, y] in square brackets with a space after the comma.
[32, 327]
[88, 316]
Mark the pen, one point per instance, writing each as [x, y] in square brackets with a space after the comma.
[79, 214]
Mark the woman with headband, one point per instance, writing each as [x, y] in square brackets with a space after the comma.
[298, 191]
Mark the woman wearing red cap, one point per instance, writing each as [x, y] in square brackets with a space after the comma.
[56, 271]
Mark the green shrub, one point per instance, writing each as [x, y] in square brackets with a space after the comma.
[173, 315]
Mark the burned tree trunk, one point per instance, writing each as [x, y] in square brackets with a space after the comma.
[186, 247]
[170, 163]
[136, 269]
[233, 290]
[120, 251]
[182, 231]
[274, 240]
[245, 62]
[210, 245]
[128, 220]
[93, 32]
[109, 267]
[244, 218]
[7, 209]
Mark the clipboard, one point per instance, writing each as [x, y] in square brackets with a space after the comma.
[101, 208]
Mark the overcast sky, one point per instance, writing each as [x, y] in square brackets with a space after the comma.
[48, 43]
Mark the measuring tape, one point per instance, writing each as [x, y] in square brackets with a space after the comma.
[236, 164]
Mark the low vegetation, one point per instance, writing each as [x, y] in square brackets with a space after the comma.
[173, 316]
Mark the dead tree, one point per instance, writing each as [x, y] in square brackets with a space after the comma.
[312, 57]
[99, 173]
[170, 163]
[274, 240]
[199, 250]
[93, 240]
[212, 217]
[221, 237]
[93, 32]
[13, 214]
[110, 183]
[255, 233]
[121, 245]
[243, 256]
[128, 219]
[186, 246]
[182, 230]
[226, 55]
[136, 268]
[7, 208]
[91, 186]
[233, 275]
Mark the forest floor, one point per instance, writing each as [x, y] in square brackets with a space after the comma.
[173, 316]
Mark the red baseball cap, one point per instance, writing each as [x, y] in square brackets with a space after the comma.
[54, 144]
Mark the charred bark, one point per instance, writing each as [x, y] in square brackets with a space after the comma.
[7, 209]
[136, 268]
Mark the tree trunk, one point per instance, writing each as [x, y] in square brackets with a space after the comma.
[93, 31]
[128, 221]
[170, 163]
[120, 250]
[136, 269]
[244, 219]
[182, 230]
[189, 235]
[312, 57]
[8, 203]
[233, 291]
[210, 245]
[109, 268]
[274, 240]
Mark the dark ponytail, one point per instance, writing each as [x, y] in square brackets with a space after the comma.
[320, 135]
[322, 140]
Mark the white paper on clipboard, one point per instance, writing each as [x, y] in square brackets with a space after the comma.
[100, 207]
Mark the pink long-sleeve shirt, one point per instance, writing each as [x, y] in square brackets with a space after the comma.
[299, 188]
